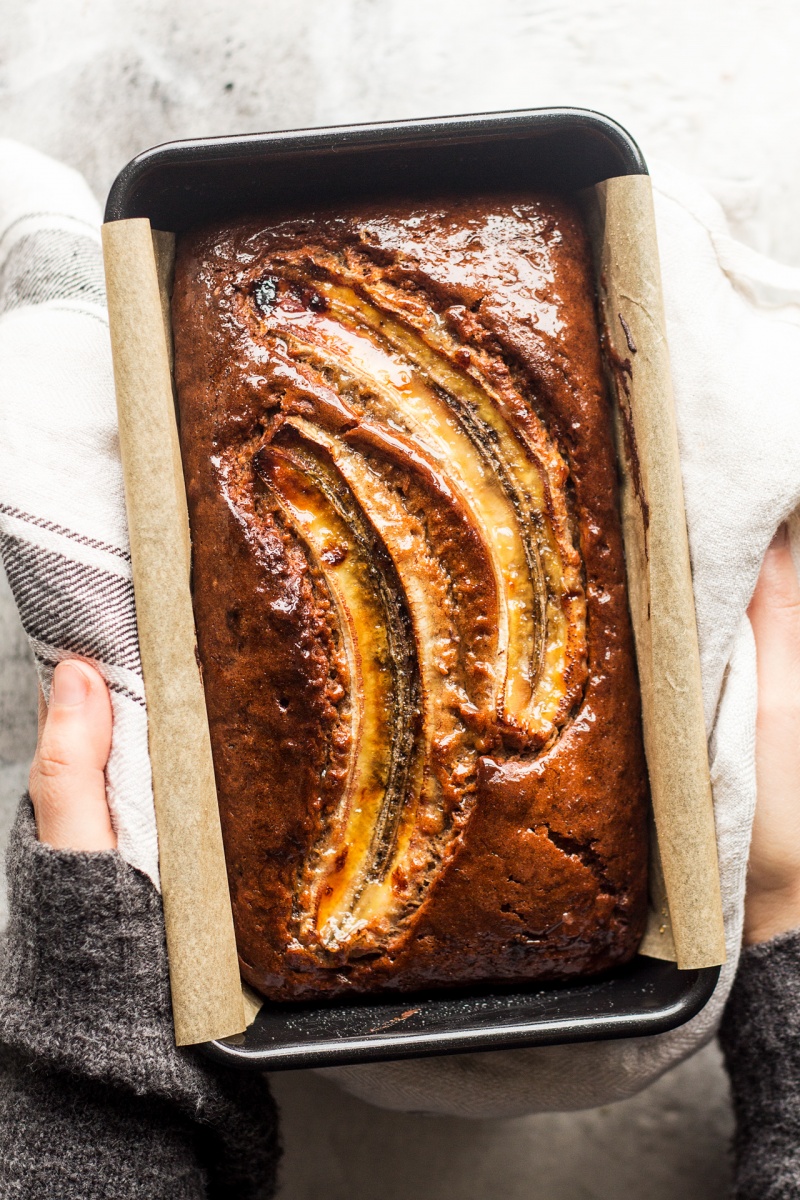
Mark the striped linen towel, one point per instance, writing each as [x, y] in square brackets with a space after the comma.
[63, 532]
[733, 320]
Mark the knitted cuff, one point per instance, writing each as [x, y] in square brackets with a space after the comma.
[85, 990]
[760, 1038]
[85, 970]
[762, 1016]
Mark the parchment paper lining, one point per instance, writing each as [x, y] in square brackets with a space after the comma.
[622, 224]
[686, 911]
[204, 971]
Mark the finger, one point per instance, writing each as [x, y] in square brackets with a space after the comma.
[777, 590]
[773, 890]
[775, 617]
[68, 775]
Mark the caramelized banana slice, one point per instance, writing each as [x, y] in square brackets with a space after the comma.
[384, 694]
[532, 474]
[451, 596]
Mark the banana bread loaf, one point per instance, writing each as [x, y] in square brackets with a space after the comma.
[409, 591]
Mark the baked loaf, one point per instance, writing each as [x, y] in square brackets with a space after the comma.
[410, 598]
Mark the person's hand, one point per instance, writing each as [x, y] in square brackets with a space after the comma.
[67, 780]
[772, 903]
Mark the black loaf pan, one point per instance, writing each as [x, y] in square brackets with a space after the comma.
[182, 184]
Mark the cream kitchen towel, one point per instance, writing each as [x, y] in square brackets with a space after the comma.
[63, 532]
[734, 331]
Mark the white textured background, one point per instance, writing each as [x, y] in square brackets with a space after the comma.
[710, 85]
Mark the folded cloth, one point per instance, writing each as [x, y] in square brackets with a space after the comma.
[734, 330]
[63, 530]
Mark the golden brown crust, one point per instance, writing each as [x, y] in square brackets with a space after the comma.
[526, 842]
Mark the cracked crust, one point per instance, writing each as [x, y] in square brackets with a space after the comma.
[525, 851]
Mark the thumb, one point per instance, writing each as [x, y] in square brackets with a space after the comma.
[67, 780]
[775, 617]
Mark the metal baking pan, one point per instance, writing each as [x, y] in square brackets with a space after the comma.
[182, 184]
[644, 997]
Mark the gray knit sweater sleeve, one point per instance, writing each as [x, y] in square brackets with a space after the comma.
[95, 1100]
[760, 1037]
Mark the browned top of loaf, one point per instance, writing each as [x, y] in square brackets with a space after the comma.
[542, 852]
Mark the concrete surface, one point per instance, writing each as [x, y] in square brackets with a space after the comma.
[707, 84]
[670, 1143]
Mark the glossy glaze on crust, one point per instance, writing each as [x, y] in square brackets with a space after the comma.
[409, 593]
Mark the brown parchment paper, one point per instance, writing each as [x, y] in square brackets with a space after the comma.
[204, 973]
[686, 914]
[686, 908]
